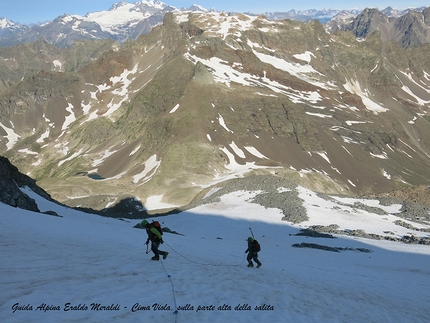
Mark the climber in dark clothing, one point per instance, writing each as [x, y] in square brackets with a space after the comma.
[253, 249]
[155, 237]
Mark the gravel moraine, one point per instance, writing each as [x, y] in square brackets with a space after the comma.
[275, 192]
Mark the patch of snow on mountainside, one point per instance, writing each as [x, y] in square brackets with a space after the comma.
[354, 87]
[103, 157]
[226, 74]
[155, 202]
[176, 107]
[122, 91]
[222, 123]
[151, 166]
[320, 115]
[413, 87]
[11, 136]
[69, 118]
[255, 152]
[239, 152]
[307, 56]
[300, 71]
[234, 168]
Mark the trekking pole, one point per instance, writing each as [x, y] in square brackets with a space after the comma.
[251, 232]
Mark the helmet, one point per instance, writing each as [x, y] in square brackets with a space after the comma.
[250, 239]
[144, 223]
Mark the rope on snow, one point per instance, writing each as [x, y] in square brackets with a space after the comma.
[175, 312]
[173, 291]
[199, 263]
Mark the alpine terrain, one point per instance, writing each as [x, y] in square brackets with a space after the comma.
[68, 266]
[208, 96]
[311, 138]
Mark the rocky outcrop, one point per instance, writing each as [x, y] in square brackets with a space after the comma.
[10, 182]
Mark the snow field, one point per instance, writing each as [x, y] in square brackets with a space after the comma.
[76, 260]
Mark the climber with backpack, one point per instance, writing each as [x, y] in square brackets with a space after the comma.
[253, 249]
[155, 233]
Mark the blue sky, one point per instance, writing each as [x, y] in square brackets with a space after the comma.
[31, 11]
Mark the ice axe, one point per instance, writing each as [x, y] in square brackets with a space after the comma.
[251, 233]
[147, 245]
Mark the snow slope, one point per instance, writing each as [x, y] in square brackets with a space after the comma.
[86, 268]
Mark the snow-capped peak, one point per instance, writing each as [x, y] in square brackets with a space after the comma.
[148, 3]
[123, 13]
[116, 5]
[155, 3]
[6, 23]
[196, 7]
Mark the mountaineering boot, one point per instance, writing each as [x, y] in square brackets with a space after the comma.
[250, 264]
[259, 265]
[165, 255]
[155, 258]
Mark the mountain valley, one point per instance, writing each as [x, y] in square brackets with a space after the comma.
[205, 97]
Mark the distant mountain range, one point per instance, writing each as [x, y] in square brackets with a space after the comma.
[125, 21]
[121, 22]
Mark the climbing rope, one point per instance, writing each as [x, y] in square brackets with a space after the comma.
[175, 312]
[173, 291]
[199, 263]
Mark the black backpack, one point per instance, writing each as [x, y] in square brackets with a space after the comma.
[256, 245]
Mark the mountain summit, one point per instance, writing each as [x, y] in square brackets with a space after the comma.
[409, 30]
